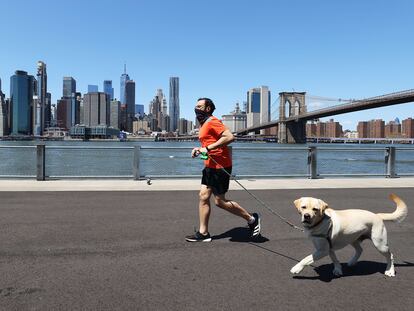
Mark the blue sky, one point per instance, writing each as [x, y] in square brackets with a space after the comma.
[218, 48]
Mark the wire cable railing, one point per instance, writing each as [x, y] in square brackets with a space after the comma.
[141, 162]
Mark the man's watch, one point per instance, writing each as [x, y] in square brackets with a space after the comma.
[207, 149]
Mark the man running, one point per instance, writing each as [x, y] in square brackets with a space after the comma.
[214, 138]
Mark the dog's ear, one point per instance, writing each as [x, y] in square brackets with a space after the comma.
[297, 203]
[323, 205]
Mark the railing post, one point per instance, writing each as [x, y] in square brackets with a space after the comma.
[40, 162]
[312, 163]
[135, 165]
[390, 162]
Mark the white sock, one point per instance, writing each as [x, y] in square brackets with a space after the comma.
[252, 220]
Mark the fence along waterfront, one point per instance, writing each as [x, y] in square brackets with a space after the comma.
[140, 162]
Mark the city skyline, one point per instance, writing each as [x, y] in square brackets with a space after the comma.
[332, 58]
[70, 83]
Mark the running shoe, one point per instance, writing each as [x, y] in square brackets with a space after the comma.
[255, 226]
[198, 237]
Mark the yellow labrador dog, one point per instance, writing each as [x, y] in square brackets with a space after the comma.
[331, 230]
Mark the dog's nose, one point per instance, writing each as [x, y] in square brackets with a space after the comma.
[306, 216]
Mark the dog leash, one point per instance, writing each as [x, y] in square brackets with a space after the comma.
[205, 156]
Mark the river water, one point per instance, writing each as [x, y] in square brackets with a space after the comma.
[174, 159]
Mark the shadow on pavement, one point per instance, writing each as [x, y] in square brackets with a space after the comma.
[240, 234]
[362, 268]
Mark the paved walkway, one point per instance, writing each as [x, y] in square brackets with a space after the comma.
[125, 250]
[194, 184]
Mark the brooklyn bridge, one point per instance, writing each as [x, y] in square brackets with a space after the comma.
[293, 112]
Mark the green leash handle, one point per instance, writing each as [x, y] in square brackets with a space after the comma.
[203, 156]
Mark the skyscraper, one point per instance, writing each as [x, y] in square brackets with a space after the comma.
[115, 115]
[158, 112]
[69, 86]
[108, 89]
[96, 107]
[2, 96]
[41, 102]
[163, 102]
[48, 110]
[174, 104]
[124, 79]
[258, 106]
[139, 110]
[64, 113]
[71, 102]
[130, 104]
[4, 126]
[53, 113]
[22, 88]
[92, 88]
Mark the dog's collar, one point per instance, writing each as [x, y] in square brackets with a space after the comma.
[326, 235]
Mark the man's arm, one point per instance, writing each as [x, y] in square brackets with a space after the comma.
[225, 138]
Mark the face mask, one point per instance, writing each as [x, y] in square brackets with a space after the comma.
[201, 115]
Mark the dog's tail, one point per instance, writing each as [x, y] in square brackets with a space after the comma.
[399, 214]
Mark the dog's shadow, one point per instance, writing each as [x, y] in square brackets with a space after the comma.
[240, 234]
[362, 268]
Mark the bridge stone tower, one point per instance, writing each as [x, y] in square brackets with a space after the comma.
[291, 131]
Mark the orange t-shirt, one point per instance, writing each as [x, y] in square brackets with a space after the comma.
[210, 132]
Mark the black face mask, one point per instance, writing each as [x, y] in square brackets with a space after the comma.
[201, 115]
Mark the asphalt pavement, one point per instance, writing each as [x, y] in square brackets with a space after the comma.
[125, 250]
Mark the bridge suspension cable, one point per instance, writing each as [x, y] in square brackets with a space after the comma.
[274, 113]
[328, 99]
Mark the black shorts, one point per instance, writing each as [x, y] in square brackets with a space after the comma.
[216, 179]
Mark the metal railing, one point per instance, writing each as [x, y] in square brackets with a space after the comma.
[132, 172]
[374, 162]
[141, 162]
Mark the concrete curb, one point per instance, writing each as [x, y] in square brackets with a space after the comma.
[194, 184]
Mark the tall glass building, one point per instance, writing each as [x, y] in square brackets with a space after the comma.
[124, 79]
[71, 101]
[108, 89]
[115, 110]
[4, 126]
[258, 106]
[174, 104]
[92, 88]
[139, 109]
[130, 103]
[22, 88]
[69, 86]
[41, 111]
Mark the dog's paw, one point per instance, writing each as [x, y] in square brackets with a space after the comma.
[337, 271]
[390, 273]
[296, 269]
[351, 263]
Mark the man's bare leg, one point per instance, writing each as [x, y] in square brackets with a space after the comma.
[204, 208]
[231, 206]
